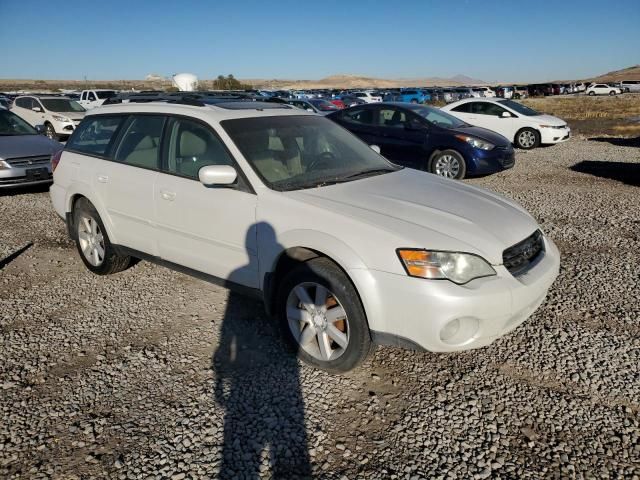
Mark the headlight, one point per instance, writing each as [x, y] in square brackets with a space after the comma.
[60, 118]
[4, 165]
[458, 267]
[476, 142]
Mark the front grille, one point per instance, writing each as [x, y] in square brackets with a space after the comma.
[519, 258]
[28, 161]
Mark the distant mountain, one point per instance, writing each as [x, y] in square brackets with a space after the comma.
[629, 73]
[358, 81]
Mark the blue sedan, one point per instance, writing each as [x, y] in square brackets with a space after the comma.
[427, 138]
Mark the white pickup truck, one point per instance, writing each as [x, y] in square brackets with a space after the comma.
[94, 98]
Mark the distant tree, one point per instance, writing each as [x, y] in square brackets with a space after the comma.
[228, 83]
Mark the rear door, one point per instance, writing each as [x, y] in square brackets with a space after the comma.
[129, 181]
[360, 121]
[211, 230]
[402, 136]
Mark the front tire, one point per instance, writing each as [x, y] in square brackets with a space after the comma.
[612, 93]
[50, 132]
[322, 318]
[448, 164]
[527, 138]
[93, 243]
[592, 94]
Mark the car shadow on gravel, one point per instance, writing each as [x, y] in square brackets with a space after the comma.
[618, 141]
[17, 190]
[628, 173]
[257, 383]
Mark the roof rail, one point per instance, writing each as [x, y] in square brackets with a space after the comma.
[198, 99]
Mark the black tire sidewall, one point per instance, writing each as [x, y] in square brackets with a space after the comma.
[48, 126]
[536, 144]
[463, 164]
[112, 261]
[324, 272]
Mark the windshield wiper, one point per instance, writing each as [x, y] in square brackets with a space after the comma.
[369, 173]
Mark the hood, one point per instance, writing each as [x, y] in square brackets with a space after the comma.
[421, 210]
[17, 146]
[548, 120]
[484, 134]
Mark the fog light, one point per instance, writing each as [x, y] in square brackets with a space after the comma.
[459, 331]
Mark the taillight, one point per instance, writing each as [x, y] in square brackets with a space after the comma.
[55, 160]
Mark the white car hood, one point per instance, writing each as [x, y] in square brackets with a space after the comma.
[548, 120]
[425, 211]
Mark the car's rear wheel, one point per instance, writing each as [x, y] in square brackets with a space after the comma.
[50, 132]
[527, 138]
[93, 243]
[612, 92]
[448, 164]
[322, 318]
[592, 93]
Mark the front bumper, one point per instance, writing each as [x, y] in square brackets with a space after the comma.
[490, 161]
[18, 176]
[65, 128]
[554, 135]
[417, 310]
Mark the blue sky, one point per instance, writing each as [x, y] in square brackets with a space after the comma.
[491, 40]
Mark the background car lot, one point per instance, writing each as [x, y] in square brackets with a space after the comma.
[131, 375]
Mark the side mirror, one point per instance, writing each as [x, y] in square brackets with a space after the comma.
[37, 109]
[40, 129]
[505, 115]
[309, 110]
[217, 175]
[375, 148]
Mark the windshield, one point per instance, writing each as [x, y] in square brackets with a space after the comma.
[106, 94]
[296, 152]
[12, 124]
[518, 107]
[61, 105]
[437, 117]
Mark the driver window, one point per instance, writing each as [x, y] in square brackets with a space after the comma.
[91, 97]
[487, 108]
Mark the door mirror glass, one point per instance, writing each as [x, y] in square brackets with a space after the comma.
[217, 175]
[36, 109]
[375, 148]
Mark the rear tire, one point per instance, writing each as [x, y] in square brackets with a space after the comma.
[612, 93]
[592, 94]
[93, 243]
[527, 138]
[322, 318]
[448, 164]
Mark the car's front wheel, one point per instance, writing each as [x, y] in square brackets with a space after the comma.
[592, 93]
[93, 243]
[612, 92]
[448, 164]
[527, 138]
[50, 132]
[322, 317]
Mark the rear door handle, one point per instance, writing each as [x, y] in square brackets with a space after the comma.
[103, 178]
[167, 195]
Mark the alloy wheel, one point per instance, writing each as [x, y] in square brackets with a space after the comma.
[317, 321]
[527, 139]
[447, 166]
[49, 132]
[91, 240]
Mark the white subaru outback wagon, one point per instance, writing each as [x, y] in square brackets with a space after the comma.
[346, 249]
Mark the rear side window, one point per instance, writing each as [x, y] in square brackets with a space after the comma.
[140, 143]
[94, 135]
[464, 108]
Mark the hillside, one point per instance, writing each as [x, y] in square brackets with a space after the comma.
[356, 81]
[630, 73]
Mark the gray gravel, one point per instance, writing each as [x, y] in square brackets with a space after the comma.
[154, 374]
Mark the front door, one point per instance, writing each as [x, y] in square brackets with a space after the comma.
[211, 230]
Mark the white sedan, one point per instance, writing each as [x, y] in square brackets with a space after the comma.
[602, 89]
[525, 127]
[368, 97]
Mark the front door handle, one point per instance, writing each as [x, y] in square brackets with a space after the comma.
[103, 178]
[167, 195]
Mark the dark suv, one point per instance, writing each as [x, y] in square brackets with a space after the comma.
[427, 138]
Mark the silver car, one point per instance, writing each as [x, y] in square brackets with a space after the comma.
[25, 154]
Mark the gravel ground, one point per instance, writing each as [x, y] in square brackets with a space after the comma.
[150, 373]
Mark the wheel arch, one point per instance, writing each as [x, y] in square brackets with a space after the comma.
[71, 201]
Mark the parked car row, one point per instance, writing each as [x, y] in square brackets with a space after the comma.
[276, 201]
